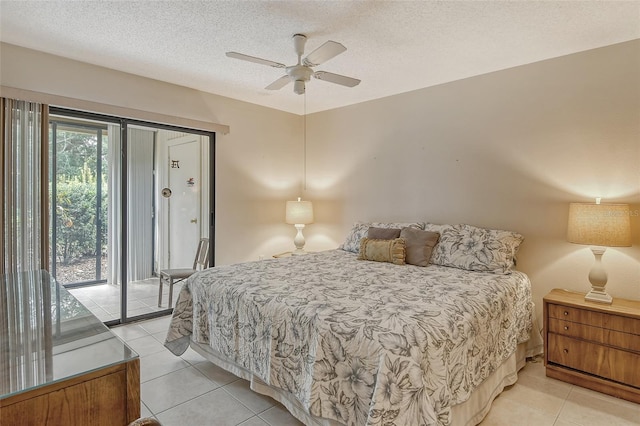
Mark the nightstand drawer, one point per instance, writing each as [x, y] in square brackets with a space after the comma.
[614, 364]
[600, 335]
[595, 319]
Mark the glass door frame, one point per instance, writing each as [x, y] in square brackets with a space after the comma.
[124, 123]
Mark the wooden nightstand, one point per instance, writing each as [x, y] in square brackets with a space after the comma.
[593, 345]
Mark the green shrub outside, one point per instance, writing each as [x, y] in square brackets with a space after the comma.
[76, 196]
[76, 217]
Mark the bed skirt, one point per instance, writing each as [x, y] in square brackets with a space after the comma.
[468, 413]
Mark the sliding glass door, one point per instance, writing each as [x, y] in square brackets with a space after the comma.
[128, 200]
[168, 196]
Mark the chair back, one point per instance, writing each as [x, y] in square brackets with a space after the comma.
[202, 255]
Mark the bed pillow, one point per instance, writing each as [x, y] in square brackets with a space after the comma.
[436, 228]
[360, 229]
[418, 245]
[392, 251]
[383, 233]
[475, 249]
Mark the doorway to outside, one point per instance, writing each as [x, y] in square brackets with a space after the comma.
[79, 164]
[128, 199]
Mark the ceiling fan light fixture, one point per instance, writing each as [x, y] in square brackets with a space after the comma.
[298, 87]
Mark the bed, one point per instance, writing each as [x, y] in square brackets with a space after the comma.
[339, 340]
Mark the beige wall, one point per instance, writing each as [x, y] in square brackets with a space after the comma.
[506, 150]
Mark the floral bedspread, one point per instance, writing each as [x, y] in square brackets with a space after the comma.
[359, 342]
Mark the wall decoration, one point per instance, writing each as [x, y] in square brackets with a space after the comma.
[175, 164]
[191, 182]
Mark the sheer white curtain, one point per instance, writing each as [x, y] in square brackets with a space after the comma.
[24, 191]
[140, 147]
[140, 256]
[113, 209]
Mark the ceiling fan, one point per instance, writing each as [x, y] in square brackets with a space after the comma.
[302, 72]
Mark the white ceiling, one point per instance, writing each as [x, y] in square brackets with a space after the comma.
[393, 46]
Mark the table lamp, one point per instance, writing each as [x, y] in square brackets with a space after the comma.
[601, 226]
[298, 214]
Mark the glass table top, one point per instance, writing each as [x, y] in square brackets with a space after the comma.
[46, 335]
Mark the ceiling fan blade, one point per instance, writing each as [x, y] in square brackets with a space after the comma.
[323, 53]
[336, 78]
[243, 57]
[279, 83]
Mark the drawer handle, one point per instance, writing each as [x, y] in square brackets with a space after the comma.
[566, 327]
[566, 313]
[566, 351]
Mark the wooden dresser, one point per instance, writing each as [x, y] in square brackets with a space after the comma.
[593, 345]
[59, 364]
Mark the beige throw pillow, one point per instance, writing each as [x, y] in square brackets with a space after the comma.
[418, 245]
[392, 251]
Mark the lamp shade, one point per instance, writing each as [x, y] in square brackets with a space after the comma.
[606, 225]
[299, 212]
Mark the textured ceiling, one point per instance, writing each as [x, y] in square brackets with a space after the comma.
[393, 46]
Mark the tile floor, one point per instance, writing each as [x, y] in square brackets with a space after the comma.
[188, 390]
[104, 300]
